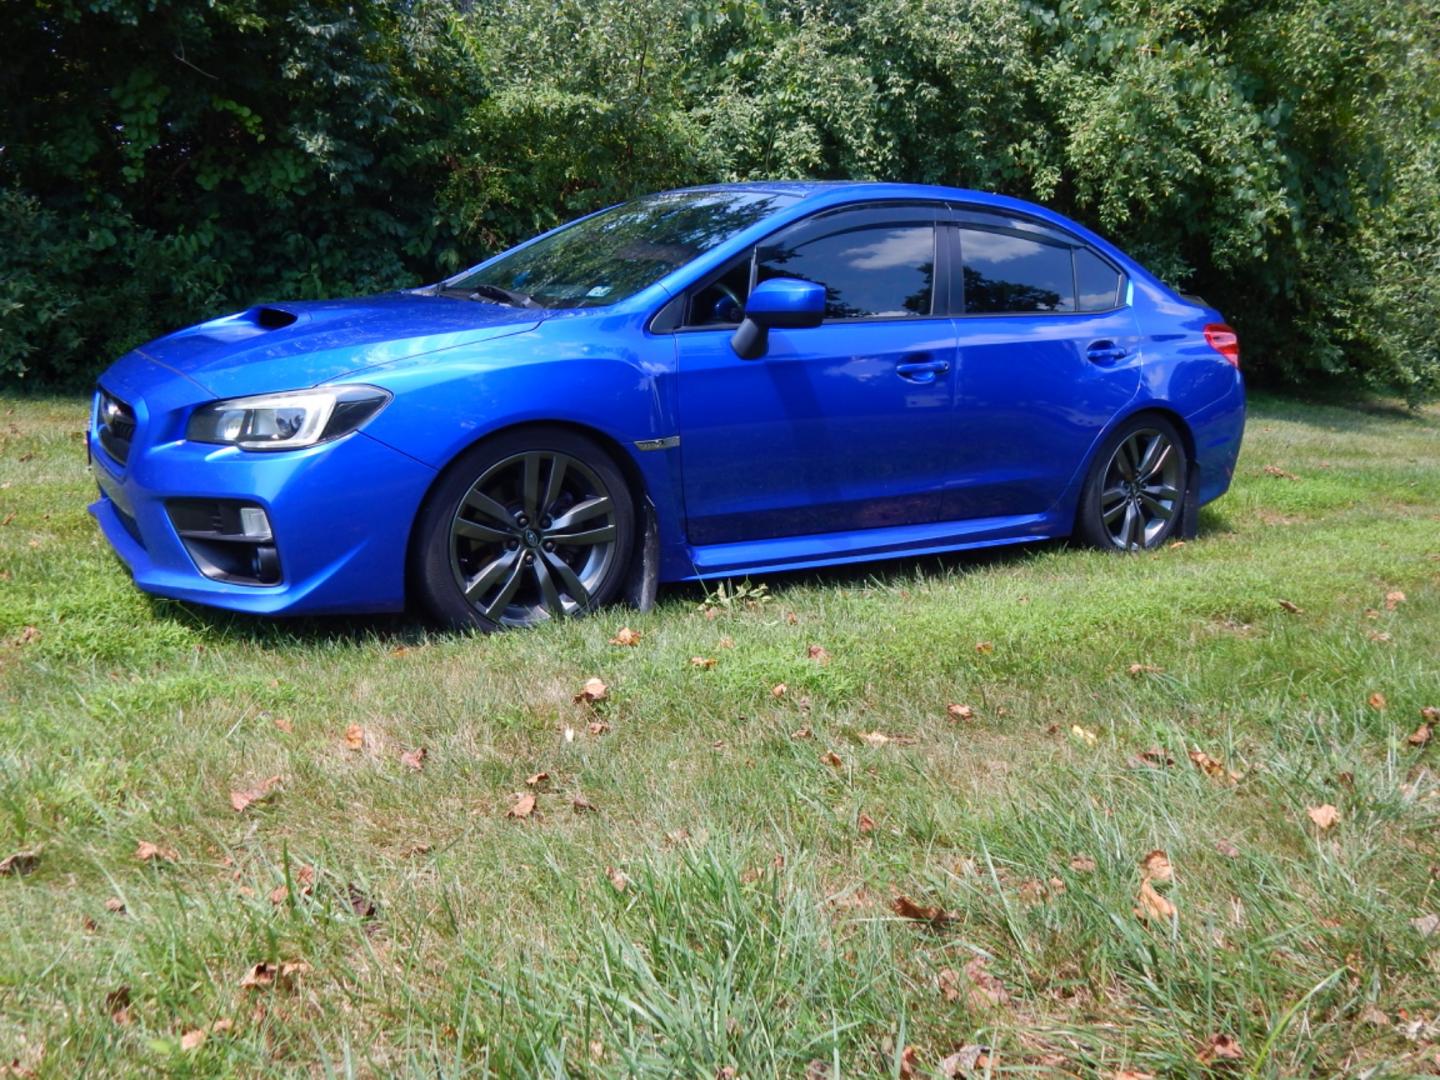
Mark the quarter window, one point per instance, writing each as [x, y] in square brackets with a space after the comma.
[876, 263]
[1097, 280]
[1005, 273]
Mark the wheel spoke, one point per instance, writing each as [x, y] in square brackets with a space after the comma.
[599, 535]
[530, 485]
[554, 484]
[549, 594]
[1110, 496]
[496, 607]
[1115, 511]
[1155, 458]
[1127, 531]
[568, 579]
[486, 580]
[1156, 507]
[472, 530]
[1161, 491]
[581, 511]
[481, 503]
[1125, 458]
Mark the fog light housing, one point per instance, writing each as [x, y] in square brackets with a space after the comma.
[229, 540]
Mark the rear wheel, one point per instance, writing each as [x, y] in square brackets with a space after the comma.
[532, 525]
[1136, 488]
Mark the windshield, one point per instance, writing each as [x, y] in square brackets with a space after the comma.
[615, 254]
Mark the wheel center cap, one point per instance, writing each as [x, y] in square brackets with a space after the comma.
[532, 538]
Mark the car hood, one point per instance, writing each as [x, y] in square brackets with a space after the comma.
[292, 345]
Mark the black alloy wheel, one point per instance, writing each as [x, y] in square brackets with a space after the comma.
[1135, 493]
[535, 525]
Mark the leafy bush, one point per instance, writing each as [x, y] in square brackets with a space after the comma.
[162, 160]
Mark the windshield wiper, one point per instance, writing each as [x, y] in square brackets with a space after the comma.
[492, 292]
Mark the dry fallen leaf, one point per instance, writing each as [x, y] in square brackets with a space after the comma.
[281, 976]
[1292, 607]
[865, 823]
[536, 779]
[818, 653]
[703, 661]
[1324, 816]
[1430, 714]
[778, 690]
[726, 642]
[1226, 848]
[283, 723]
[1393, 599]
[960, 712]
[1276, 471]
[802, 733]
[1376, 701]
[117, 1004]
[145, 851]
[1084, 735]
[115, 906]
[1155, 866]
[263, 790]
[1082, 864]
[594, 690]
[29, 635]
[1220, 1048]
[597, 727]
[626, 636]
[909, 909]
[355, 737]
[414, 759]
[1420, 736]
[1426, 925]
[22, 862]
[523, 807]
[1145, 669]
[192, 1039]
[1153, 758]
[582, 805]
[1214, 769]
[1153, 905]
[874, 738]
[832, 759]
[909, 1063]
[986, 989]
[617, 878]
[949, 983]
[965, 1061]
[984, 648]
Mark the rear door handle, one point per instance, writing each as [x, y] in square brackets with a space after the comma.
[1105, 352]
[921, 371]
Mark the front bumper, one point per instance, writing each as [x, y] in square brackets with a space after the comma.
[340, 512]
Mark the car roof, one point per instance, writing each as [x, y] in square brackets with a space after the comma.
[847, 189]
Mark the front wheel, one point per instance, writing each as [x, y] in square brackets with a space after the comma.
[1136, 488]
[532, 525]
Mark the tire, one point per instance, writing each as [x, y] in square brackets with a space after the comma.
[491, 546]
[1135, 491]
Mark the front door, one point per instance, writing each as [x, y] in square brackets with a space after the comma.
[848, 425]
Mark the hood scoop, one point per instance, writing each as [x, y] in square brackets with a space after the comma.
[271, 318]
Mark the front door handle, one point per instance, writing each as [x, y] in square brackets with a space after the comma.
[921, 371]
[1105, 352]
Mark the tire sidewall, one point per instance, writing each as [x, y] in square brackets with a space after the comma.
[1089, 525]
[432, 580]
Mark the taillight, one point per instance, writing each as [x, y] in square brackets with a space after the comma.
[1223, 340]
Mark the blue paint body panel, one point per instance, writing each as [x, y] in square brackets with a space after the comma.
[852, 440]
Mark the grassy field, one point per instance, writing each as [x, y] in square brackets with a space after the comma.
[715, 875]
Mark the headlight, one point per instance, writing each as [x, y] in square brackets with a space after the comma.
[286, 421]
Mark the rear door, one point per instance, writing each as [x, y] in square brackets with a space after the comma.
[1048, 354]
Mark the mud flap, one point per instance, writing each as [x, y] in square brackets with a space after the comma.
[644, 578]
[1190, 509]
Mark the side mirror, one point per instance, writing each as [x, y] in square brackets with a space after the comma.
[779, 304]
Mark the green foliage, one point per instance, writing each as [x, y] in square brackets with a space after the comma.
[161, 161]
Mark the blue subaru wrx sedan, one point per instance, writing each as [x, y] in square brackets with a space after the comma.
[718, 381]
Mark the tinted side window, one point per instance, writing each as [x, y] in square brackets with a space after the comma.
[1004, 272]
[1098, 282]
[874, 263]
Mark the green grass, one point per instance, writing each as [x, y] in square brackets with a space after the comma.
[756, 929]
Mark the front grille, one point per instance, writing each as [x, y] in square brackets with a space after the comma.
[114, 424]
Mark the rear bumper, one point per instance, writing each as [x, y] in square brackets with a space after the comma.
[1218, 429]
[340, 512]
